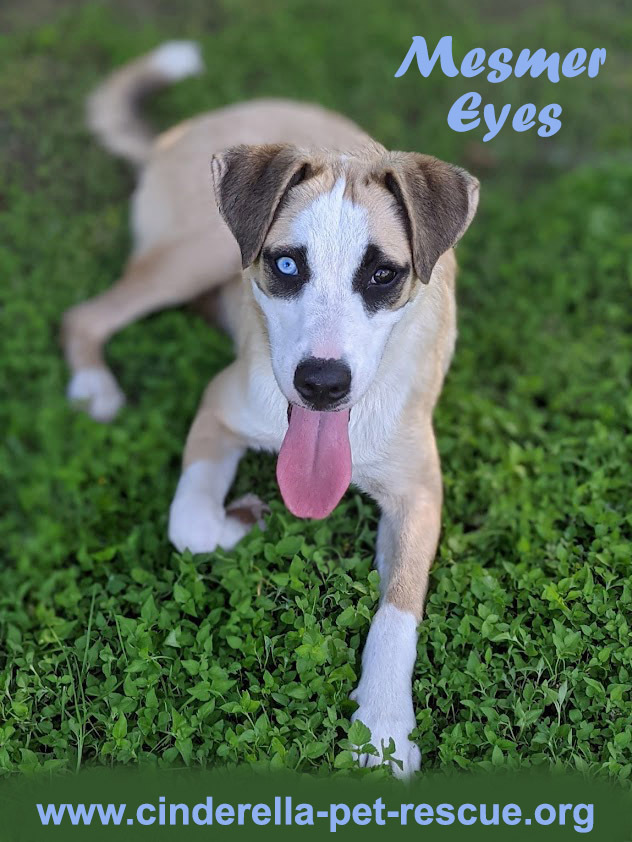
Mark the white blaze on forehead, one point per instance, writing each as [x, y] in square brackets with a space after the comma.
[336, 234]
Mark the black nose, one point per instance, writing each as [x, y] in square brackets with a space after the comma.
[322, 383]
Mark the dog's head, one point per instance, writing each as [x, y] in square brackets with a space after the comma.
[335, 248]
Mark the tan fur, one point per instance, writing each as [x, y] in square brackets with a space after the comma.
[410, 491]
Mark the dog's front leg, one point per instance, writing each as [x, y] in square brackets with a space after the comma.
[198, 520]
[407, 540]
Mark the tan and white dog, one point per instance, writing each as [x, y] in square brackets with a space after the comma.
[330, 262]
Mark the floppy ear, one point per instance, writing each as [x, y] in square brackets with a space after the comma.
[437, 202]
[251, 183]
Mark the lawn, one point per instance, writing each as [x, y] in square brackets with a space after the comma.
[116, 649]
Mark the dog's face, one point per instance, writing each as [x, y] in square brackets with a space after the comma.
[335, 248]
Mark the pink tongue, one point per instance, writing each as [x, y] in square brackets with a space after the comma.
[314, 465]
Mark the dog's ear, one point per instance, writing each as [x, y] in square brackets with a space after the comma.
[251, 183]
[437, 202]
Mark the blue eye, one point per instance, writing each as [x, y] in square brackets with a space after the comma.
[286, 266]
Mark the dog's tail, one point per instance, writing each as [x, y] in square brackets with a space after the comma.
[112, 109]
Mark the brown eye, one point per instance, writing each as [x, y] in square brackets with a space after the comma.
[383, 275]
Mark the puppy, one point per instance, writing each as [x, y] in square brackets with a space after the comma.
[330, 263]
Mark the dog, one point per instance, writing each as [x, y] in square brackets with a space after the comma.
[330, 261]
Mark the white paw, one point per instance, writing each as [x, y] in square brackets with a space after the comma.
[200, 526]
[195, 522]
[97, 391]
[386, 726]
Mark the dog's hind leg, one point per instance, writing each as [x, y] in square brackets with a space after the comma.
[407, 542]
[165, 276]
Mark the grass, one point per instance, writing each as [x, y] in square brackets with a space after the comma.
[115, 649]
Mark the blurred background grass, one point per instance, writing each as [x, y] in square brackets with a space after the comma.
[524, 657]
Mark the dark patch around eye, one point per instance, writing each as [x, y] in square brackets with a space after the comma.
[378, 296]
[280, 285]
